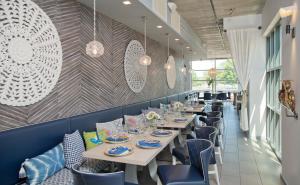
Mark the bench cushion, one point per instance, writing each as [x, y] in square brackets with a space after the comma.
[27, 142]
[62, 177]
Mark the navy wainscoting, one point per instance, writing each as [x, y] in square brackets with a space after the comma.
[18, 144]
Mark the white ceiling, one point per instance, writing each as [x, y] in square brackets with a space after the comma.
[132, 16]
[209, 26]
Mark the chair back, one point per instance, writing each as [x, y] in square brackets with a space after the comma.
[200, 151]
[207, 96]
[214, 114]
[214, 122]
[208, 133]
[86, 178]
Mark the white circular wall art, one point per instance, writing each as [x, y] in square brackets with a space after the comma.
[135, 74]
[171, 73]
[30, 53]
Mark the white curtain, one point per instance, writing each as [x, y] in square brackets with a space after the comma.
[243, 49]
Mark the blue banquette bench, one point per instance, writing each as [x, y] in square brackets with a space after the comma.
[18, 144]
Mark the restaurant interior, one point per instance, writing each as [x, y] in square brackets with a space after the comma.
[149, 92]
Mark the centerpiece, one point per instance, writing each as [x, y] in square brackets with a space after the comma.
[177, 106]
[152, 117]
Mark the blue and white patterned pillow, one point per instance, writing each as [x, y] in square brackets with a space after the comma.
[73, 148]
[39, 168]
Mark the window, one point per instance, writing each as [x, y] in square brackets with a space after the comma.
[273, 86]
[226, 79]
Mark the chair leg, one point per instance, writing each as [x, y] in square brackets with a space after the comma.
[215, 172]
[220, 137]
[174, 160]
[218, 152]
[158, 181]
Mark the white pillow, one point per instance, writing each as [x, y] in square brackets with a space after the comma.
[111, 125]
[133, 121]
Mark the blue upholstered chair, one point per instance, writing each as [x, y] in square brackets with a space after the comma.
[207, 96]
[196, 173]
[217, 123]
[208, 133]
[86, 178]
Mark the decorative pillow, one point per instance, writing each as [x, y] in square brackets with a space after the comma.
[133, 121]
[106, 129]
[164, 106]
[91, 139]
[73, 148]
[39, 168]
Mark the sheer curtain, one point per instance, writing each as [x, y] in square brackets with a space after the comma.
[243, 49]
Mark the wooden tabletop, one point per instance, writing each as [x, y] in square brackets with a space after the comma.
[139, 156]
[195, 109]
[169, 121]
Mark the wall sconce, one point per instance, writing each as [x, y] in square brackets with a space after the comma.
[289, 30]
[287, 98]
[286, 11]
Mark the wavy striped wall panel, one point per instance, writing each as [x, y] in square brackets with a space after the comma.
[87, 84]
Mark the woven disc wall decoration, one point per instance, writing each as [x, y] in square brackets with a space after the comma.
[135, 74]
[30, 53]
[171, 73]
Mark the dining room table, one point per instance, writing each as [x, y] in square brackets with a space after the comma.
[198, 108]
[138, 156]
[177, 121]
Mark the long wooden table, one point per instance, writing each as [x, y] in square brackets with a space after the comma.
[194, 109]
[169, 123]
[139, 157]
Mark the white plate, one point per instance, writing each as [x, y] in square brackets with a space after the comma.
[130, 150]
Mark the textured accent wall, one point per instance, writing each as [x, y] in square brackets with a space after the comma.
[87, 84]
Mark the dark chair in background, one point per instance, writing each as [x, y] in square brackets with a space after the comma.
[86, 178]
[200, 152]
[207, 96]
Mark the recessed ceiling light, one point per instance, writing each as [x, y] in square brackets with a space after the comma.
[176, 39]
[188, 47]
[158, 26]
[126, 2]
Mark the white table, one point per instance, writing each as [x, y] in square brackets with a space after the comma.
[139, 157]
[170, 123]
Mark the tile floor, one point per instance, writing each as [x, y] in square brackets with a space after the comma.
[245, 162]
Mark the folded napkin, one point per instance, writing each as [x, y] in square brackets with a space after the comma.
[161, 132]
[180, 119]
[116, 139]
[118, 150]
[149, 143]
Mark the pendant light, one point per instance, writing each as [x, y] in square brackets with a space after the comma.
[167, 65]
[145, 59]
[94, 48]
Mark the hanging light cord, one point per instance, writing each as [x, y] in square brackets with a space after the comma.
[94, 19]
[168, 45]
[145, 31]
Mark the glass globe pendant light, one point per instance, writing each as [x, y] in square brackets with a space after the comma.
[145, 59]
[167, 65]
[94, 48]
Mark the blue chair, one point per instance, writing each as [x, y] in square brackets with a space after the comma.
[196, 173]
[207, 96]
[86, 178]
[217, 123]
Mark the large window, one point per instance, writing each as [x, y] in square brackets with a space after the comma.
[273, 86]
[225, 80]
